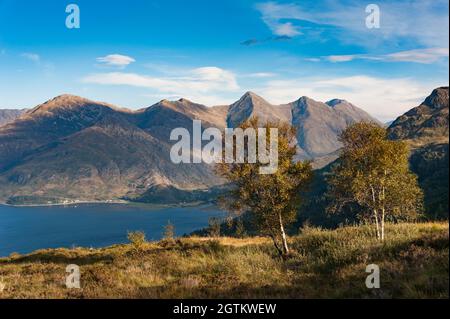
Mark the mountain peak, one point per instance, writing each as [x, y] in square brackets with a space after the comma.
[253, 97]
[68, 96]
[172, 103]
[66, 102]
[68, 99]
[426, 122]
[251, 94]
[305, 99]
[438, 98]
[167, 108]
[305, 103]
[248, 106]
[185, 101]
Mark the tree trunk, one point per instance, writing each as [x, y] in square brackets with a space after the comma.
[274, 239]
[383, 210]
[283, 236]
[375, 213]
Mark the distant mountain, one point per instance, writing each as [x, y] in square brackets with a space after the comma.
[8, 116]
[318, 124]
[426, 129]
[71, 148]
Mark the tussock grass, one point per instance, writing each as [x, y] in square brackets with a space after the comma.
[324, 264]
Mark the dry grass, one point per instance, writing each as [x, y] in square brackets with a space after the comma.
[324, 264]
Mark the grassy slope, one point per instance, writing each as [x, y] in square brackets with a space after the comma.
[325, 264]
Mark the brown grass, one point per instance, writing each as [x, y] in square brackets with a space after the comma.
[324, 264]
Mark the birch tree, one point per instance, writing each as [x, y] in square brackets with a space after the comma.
[272, 200]
[373, 174]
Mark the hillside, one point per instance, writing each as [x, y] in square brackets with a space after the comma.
[319, 124]
[325, 264]
[8, 116]
[425, 124]
[71, 148]
[426, 129]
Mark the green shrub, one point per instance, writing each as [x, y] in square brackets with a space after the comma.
[137, 239]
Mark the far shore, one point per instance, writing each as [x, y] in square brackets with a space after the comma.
[119, 202]
[71, 203]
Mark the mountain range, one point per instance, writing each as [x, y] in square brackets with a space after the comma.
[70, 148]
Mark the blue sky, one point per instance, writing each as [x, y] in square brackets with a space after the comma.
[134, 53]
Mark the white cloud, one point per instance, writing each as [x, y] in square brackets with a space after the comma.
[424, 56]
[116, 60]
[203, 85]
[285, 29]
[32, 57]
[384, 99]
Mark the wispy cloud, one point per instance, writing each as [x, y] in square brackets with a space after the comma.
[116, 60]
[342, 58]
[260, 75]
[32, 57]
[420, 56]
[46, 67]
[199, 84]
[425, 22]
[273, 15]
[424, 56]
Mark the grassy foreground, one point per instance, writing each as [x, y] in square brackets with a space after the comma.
[414, 263]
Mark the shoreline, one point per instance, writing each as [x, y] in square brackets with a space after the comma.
[117, 202]
[67, 204]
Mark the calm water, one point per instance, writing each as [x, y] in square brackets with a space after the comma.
[24, 230]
